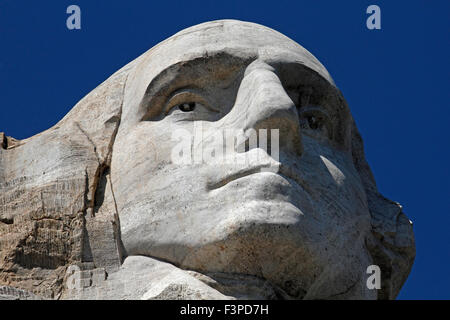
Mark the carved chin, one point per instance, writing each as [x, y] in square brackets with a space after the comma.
[274, 232]
[283, 247]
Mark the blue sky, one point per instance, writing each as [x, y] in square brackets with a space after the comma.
[396, 81]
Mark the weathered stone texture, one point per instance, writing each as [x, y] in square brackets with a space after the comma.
[48, 186]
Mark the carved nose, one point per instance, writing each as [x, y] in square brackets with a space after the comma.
[262, 103]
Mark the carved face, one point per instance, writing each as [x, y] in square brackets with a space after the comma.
[293, 220]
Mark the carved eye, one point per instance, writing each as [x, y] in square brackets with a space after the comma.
[314, 122]
[187, 107]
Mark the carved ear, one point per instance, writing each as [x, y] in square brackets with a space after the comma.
[391, 243]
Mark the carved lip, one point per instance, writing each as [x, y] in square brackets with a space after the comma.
[235, 176]
[281, 170]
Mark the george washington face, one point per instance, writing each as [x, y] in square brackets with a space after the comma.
[226, 151]
[299, 220]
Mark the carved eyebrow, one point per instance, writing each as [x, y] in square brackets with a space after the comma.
[220, 65]
[197, 72]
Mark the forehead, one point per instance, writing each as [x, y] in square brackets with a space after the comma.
[234, 37]
[243, 40]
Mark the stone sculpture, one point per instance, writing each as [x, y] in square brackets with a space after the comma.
[95, 208]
